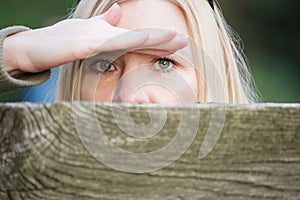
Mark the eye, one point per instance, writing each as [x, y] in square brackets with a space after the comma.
[102, 66]
[164, 64]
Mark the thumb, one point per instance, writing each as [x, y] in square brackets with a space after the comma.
[112, 15]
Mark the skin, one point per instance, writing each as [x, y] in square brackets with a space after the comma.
[140, 31]
[143, 75]
[76, 39]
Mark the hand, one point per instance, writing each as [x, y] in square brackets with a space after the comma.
[75, 39]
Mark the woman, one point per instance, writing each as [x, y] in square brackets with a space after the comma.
[137, 51]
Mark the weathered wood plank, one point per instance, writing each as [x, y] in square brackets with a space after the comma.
[256, 156]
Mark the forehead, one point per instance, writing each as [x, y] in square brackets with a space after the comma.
[139, 14]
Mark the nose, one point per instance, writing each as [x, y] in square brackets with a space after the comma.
[138, 95]
[133, 87]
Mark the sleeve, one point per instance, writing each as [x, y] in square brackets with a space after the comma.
[8, 83]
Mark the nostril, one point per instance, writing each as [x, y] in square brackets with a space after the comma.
[139, 96]
[127, 95]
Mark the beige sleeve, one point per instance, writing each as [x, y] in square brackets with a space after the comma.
[7, 82]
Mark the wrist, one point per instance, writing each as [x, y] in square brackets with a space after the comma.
[9, 49]
[9, 62]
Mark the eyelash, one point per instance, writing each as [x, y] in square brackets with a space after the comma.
[92, 67]
[173, 62]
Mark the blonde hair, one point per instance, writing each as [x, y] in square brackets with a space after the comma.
[223, 74]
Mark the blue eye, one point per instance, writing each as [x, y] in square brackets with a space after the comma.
[102, 66]
[164, 64]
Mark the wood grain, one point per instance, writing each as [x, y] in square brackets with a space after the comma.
[257, 155]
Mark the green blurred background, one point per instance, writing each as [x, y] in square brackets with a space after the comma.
[269, 30]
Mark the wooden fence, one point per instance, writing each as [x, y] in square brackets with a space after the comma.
[53, 151]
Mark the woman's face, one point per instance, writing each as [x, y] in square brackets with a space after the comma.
[146, 75]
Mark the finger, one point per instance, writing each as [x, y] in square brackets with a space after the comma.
[128, 40]
[158, 36]
[177, 43]
[154, 52]
[112, 15]
[165, 48]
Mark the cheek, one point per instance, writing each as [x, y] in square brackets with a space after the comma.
[193, 81]
[105, 89]
[87, 87]
[188, 86]
[177, 87]
[97, 88]
[166, 88]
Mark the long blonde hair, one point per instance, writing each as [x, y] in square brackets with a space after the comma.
[228, 81]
